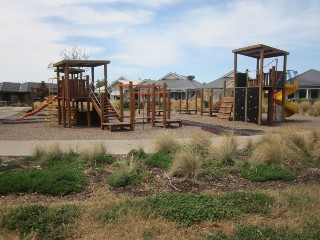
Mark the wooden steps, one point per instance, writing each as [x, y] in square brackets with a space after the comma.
[119, 125]
[225, 108]
[169, 122]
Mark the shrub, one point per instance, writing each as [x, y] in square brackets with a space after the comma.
[262, 172]
[227, 150]
[200, 143]
[126, 174]
[186, 164]
[47, 223]
[161, 159]
[166, 142]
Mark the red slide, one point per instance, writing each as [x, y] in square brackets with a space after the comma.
[39, 108]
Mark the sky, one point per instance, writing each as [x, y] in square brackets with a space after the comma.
[147, 39]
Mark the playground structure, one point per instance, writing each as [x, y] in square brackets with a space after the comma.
[249, 92]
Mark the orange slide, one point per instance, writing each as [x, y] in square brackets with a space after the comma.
[39, 108]
[289, 108]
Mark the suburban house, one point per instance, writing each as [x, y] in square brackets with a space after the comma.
[179, 84]
[309, 85]
[21, 92]
[217, 85]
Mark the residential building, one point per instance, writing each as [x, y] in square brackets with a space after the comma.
[309, 85]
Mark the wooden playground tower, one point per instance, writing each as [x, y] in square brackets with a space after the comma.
[78, 102]
[76, 91]
[249, 92]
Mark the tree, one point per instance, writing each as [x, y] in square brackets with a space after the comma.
[99, 83]
[75, 53]
[42, 91]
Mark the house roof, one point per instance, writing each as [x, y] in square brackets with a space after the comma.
[255, 50]
[21, 87]
[218, 83]
[178, 82]
[309, 78]
[9, 87]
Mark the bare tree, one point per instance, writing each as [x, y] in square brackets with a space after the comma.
[75, 53]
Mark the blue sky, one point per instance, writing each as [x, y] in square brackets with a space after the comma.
[150, 38]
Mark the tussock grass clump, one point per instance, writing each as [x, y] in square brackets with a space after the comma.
[200, 143]
[186, 164]
[304, 107]
[44, 222]
[297, 142]
[128, 173]
[226, 152]
[315, 109]
[269, 150]
[166, 142]
[97, 156]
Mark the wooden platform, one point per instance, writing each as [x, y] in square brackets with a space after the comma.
[144, 119]
[119, 125]
[169, 122]
[188, 111]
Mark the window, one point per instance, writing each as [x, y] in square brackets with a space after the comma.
[291, 96]
[302, 93]
[314, 93]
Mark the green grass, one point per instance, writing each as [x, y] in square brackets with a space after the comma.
[264, 172]
[5, 167]
[58, 179]
[188, 209]
[61, 174]
[47, 223]
[161, 159]
[310, 231]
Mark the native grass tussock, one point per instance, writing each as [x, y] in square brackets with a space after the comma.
[166, 142]
[226, 152]
[290, 148]
[306, 108]
[186, 164]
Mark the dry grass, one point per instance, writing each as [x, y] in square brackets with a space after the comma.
[290, 148]
[186, 164]
[90, 155]
[269, 149]
[295, 206]
[200, 143]
[166, 142]
[227, 150]
[304, 107]
[315, 109]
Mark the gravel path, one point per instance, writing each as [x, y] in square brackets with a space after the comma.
[35, 129]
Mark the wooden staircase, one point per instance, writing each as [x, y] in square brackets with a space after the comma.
[225, 108]
[110, 117]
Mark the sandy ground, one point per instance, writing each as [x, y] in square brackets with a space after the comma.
[35, 128]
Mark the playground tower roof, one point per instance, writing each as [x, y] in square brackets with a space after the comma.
[81, 63]
[255, 50]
